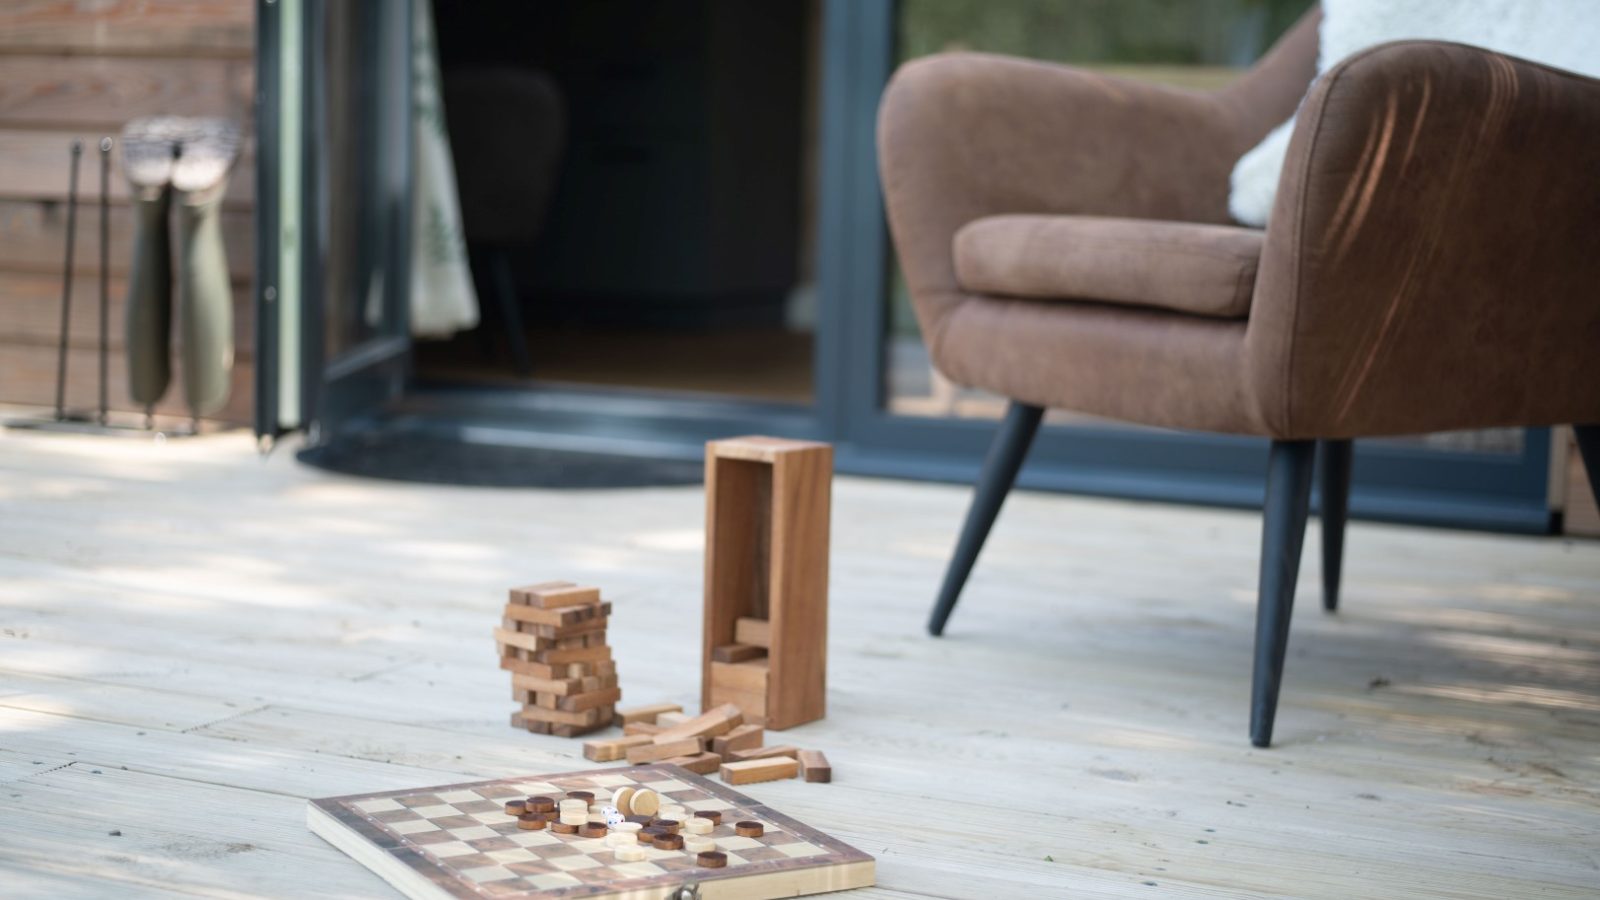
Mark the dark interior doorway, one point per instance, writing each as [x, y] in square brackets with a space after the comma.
[637, 182]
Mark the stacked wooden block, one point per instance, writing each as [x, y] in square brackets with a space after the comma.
[553, 641]
[716, 741]
[738, 671]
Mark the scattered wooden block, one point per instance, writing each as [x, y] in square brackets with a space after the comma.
[553, 596]
[657, 750]
[700, 764]
[755, 770]
[669, 719]
[754, 632]
[745, 737]
[612, 749]
[645, 713]
[732, 653]
[633, 728]
[709, 724]
[764, 752]
[814, 766]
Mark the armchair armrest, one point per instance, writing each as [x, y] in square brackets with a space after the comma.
[963, 136]
[1433, 260]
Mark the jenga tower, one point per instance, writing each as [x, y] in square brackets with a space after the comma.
[553, 641]
[766, 597]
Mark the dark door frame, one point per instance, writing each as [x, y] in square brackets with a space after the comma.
[1392, 481]
[346, 389]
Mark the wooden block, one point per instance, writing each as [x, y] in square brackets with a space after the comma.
[700, 764]
[732, 653]
[554, 596]
[595, 625]
[559, 717]
[580, 730]
[517, 721]
[519, 595]
[645, 713]
[594, 683]
[767, 769]
[535, 669]
[745, 737]
[520, 641]
[561, 687]
[653, 751]
[669, 719]
[613, 749]
[753, 632]
[558, 618]
[633, 728]
[709, 724]
[745, 677]
[592, 699]
[573, 655]
[815, 766]
[764, 752]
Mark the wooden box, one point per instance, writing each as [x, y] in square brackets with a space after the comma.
[767, 509]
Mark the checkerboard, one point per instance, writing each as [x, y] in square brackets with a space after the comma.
[457, 841]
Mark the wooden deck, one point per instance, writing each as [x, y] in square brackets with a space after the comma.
[193, 641]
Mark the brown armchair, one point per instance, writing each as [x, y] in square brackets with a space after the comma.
[1432, 262]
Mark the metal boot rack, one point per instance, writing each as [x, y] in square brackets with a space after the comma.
[98, 421]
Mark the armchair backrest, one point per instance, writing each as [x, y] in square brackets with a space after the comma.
[1268, 94]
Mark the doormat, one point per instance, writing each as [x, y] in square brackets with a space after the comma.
[437, 460]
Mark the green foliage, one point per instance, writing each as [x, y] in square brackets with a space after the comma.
[1182, 32]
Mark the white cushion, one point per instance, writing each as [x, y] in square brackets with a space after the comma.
[1560, 33]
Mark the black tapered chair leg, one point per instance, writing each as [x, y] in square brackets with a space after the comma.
[505, 293]
[1000, 468]
[1589, 448]
[1335, 471]
[1289, 471]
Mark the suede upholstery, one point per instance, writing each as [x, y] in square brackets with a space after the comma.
[1204, 270]
[1431, 264]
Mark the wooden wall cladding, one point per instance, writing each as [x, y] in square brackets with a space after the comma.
[81, 69]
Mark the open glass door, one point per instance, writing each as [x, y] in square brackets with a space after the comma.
[334, 223]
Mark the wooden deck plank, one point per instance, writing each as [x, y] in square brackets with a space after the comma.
[1436, 737]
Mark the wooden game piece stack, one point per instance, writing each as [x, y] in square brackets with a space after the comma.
[553, 641]
[718, 740]
[766, 583]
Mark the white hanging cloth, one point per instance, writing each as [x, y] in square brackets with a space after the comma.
[443, 299]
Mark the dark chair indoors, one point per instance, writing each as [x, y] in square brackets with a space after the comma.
[507, 133]
[1430, 264]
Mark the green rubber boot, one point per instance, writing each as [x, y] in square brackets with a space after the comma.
[148, 146]
[205, 292]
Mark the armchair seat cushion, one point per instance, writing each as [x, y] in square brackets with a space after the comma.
[1201, 270]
